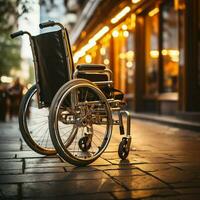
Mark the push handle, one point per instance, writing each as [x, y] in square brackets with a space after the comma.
[16, 34]
[47, 24]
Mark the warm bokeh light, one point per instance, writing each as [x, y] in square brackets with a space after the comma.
[173, 54]
[83, 50]
[120, 15]
[125, 33]
[124, 27]
[115, 33]
[135, 1]
[99, 34]
[106, 61]
[103, 51]
[153, 12]
[6, 79]
[88, 58]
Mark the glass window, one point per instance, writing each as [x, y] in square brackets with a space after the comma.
[130, 64]
[170, 47]
[124, 56]
[95, 55]
[151, 54]
[120, 60]
[104, 50]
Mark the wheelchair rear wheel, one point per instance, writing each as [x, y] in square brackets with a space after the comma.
[33, 124]
[80, 122]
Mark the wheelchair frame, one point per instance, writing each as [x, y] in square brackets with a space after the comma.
[116, 106]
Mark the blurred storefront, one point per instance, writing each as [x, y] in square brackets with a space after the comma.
[153, 49]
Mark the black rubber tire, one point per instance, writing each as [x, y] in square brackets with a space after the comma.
[24, 128]
[52, 127]
[122, 150]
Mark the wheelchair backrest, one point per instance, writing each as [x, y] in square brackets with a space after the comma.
[52, 53]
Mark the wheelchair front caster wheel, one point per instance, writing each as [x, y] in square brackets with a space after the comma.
[83, 144]
[123, 149]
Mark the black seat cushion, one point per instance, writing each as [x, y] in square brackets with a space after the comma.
[109, 92]
[83, 67]
[112, 92]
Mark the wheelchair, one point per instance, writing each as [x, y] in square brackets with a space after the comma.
[70, 111]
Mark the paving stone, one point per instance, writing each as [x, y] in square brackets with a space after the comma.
[9, 147]
[153, 167]
[110, 167]
[51, 177]
[8, 190]
[173, 175]
[11, 172]
[81, 169]
[187, 184]
[192, 167]
[127, 172]
[28, 154]
[11, 160]
[110, 155]
[128, 161]
[160, 160]
[44, 170]
[188, 190]
[179, 197]
[7, 155]
[10, 165]
[138, 194]
[141, 182]
[97, 196]
[42, 160]
[100, 161]
[47, 164]
[57, 189]
[99, 167]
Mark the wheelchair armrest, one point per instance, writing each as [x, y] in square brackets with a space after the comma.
[83, 67]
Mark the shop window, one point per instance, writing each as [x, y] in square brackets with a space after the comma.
[130, 65]
[119, 60]
[124, 57]
[151, 53]
[94, 52]
[105, 51]
[170, 47]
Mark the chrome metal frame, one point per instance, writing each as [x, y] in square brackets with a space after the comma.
[119, 104]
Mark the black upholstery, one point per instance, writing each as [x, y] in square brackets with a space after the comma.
[95, 77]
[83, 67]
[53, 66]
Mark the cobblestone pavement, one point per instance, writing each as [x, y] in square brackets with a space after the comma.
[164, 163]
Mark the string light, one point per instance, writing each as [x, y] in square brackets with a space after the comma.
[135, 1]
[153, 12]
[88, 58]
[121, 14]
[125, 33]
[115, 33]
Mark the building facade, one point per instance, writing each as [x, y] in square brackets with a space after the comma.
[153, 49]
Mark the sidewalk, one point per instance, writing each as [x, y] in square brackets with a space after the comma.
[168, 120]
[164, 163]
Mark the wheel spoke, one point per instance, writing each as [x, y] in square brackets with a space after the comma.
[93, 126]
[34, 124]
